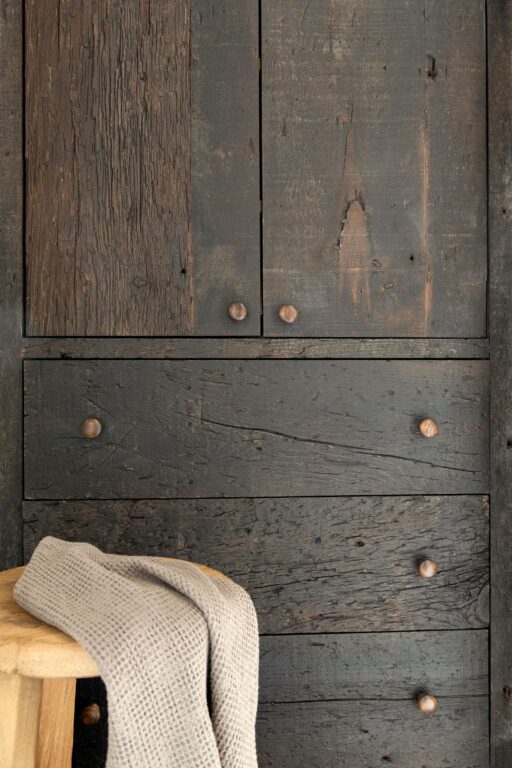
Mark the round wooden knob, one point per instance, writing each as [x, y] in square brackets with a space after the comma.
[427, 569]
[427, 704]
[237, 311]
[288, 313]
[428, 428]
[91, 428]
[90, 715]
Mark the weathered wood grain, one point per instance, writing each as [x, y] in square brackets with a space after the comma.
[376, 666]
[11, 282]
[368, 734]
[500, 327]
[310, 564]
[218, 349]
[142, 167]
[254, 428]
[386, 669]
[374, 208]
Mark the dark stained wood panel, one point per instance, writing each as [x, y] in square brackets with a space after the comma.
[310, 564]
[244, 349]
[500, 327]
[370, 734]
[254, 428]
[387, 669]
[374, 167]
[11, 281]
[143, 209]
[376, 666]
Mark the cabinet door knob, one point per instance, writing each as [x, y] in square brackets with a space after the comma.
[428, 428]
[427, 569]
[91, 428]
[237, 311]
[288, 313]
[427, 704]
[90, 715]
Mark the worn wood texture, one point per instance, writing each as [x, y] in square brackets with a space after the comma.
[254, 428]
[500, 325]
[142, 167]
[310, 564]
[377, 666]
[368, 734]
[374, 208]
[218, 349]
[387, 669]
[11, 282]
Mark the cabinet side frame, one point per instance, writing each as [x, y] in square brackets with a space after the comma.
[499, 43]
[11, 279]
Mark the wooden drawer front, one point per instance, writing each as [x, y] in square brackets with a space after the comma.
[369, 734]
[254, 428]
[350, 700]
[311, 565]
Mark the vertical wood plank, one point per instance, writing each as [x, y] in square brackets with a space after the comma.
[374, 208]
[20, 704]
[11, 281]
[500, 327]
[55, 740]
[142, 167]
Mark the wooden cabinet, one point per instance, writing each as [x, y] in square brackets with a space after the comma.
[142, 169]
[258, 314]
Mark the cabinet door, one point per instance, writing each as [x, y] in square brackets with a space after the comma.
[142, 152]
[374, 167]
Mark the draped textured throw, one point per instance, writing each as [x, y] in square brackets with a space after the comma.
[164, 635]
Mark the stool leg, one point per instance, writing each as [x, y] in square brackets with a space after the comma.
[36, 722]
[55, 742]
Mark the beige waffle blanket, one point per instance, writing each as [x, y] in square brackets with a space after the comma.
[164, 635]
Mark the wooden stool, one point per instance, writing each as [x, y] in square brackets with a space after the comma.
[39, 666]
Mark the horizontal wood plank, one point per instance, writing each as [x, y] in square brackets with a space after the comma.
[310, 565]
[374, 209]
[258, 428]
[219, 349]
[368, 734]
[376, 666]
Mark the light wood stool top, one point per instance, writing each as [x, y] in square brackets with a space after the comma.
[31, 648]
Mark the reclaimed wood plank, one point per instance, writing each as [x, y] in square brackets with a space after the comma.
[374, 210]
[142, 167]
[376, 666]
[219, 349]
[367, 734]
[500, 327]
[310, 564]
[11, 283]
[254, 428]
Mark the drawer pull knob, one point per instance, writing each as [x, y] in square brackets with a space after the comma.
[288, 313]
[428, 428]
[427, 704]
[237, 311]
[428, 569]
[91, 428]
[90, 715]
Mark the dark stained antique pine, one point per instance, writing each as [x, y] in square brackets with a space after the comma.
[11, 280]
[310, 564]
[374, 167]
[142, 159]
[270, 359]
[254, 428]
[500, 330]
